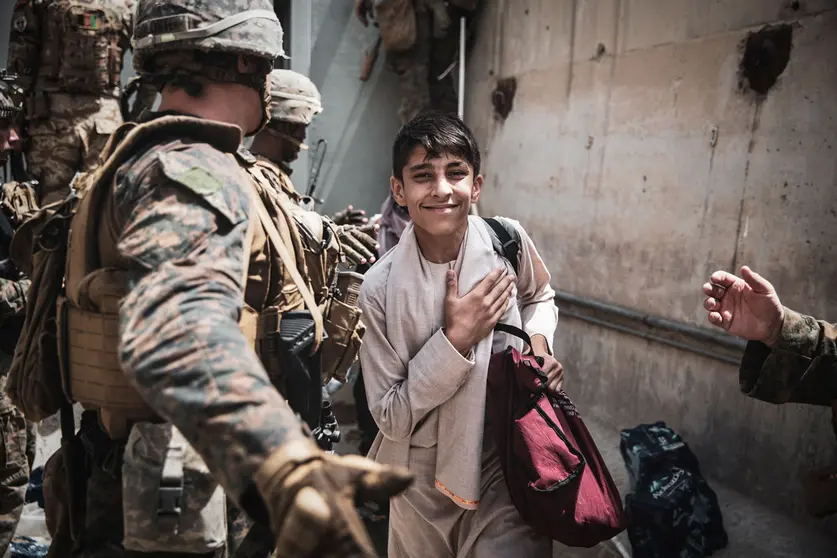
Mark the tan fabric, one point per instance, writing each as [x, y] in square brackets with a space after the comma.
[397, 22]
[289, 261]
[421, 391]
[423, 522]
[322, 255]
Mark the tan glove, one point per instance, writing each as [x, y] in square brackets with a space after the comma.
[360, 244]
[311, 499]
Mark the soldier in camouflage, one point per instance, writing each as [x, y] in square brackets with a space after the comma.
[14, 462]
[294, 102]
[68, 54]
[789, 357]
[180, 238]
[423, 70]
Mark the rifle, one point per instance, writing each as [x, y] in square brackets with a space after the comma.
[318, 157]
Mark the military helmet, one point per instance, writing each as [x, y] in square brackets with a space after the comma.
[248, 27]
[293, 98]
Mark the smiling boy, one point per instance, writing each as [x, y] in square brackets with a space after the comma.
[430, 306]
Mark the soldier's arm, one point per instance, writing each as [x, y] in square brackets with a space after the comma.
[12, 298]
[185, 222]
[801, 368]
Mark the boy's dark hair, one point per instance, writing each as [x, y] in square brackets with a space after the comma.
[438, 133]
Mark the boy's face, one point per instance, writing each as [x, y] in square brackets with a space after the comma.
[437, 192]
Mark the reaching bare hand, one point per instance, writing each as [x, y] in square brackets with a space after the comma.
[470, 318]
[745, 306]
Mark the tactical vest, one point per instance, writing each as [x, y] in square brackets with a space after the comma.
[70, 46]
[96, 280]
[322, 255]
[318, 239]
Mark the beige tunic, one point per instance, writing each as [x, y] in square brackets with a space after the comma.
[404, 402]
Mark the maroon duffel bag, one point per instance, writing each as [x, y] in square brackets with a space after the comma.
[555, 474]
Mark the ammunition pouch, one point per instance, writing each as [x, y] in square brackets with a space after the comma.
[345, 332]
[18, 201]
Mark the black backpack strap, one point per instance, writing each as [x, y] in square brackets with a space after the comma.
[506, 240]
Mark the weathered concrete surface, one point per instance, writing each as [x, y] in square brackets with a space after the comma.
[640, 167]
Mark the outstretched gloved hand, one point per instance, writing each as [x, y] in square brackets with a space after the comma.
[311, 499]
[360, 244]
[350, 216]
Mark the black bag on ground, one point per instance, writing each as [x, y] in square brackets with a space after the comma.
[672, 511]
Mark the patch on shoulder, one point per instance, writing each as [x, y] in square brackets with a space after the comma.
[192, 168]
[214, 176]
[200, 181]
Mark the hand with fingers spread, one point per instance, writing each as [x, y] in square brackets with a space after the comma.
[745, 306]
[311, 496]
[350, 216]
[360, 244]
[469, 319]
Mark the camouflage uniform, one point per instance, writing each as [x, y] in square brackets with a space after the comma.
[418, 68]
[69, 56]
[801, 368]
[175, 233]
[14, 462]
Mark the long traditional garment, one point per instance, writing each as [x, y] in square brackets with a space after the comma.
[429, 401]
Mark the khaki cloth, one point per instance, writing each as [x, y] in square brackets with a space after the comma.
[405, 397]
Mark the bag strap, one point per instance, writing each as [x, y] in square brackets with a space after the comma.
[287, 260]
[506, 240]
[170, 490]
[515, 331]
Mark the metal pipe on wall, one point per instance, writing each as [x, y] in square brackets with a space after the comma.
[653, 321]
[609, 316]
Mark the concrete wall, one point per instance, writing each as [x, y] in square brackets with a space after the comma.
[608, 159]
[359, 120]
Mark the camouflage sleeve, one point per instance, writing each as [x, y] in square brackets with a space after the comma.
[802, 368]
[185, 220]
[12, 298]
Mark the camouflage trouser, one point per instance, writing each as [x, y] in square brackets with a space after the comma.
[418, 69]
[14, 474]
[69, 140]
[101, 535]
